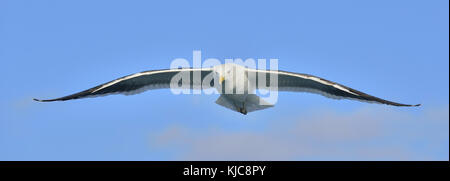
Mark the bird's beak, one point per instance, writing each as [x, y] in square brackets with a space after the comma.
[221, 79]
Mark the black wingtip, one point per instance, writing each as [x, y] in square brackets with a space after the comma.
[412, 105]
[40, 100]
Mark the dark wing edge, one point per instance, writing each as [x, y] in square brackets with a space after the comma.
[133, 84]
[289, 81]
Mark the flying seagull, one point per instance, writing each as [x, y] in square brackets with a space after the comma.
[235, 83]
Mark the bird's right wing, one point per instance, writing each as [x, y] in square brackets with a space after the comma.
[140, 82]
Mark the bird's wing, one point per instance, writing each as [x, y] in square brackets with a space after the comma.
[289, 81]
[140, 82]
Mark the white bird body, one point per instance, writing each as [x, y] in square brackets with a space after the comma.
[237, 90]
[236, 85]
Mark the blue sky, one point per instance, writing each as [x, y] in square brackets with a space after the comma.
[397, 50]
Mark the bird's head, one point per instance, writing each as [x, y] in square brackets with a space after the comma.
[223, 73]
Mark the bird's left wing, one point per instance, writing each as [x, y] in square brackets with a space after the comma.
[289, 81]
[140, 82]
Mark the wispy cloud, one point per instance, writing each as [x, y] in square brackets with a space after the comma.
[364, 134]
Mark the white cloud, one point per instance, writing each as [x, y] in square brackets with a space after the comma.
[365, 134]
